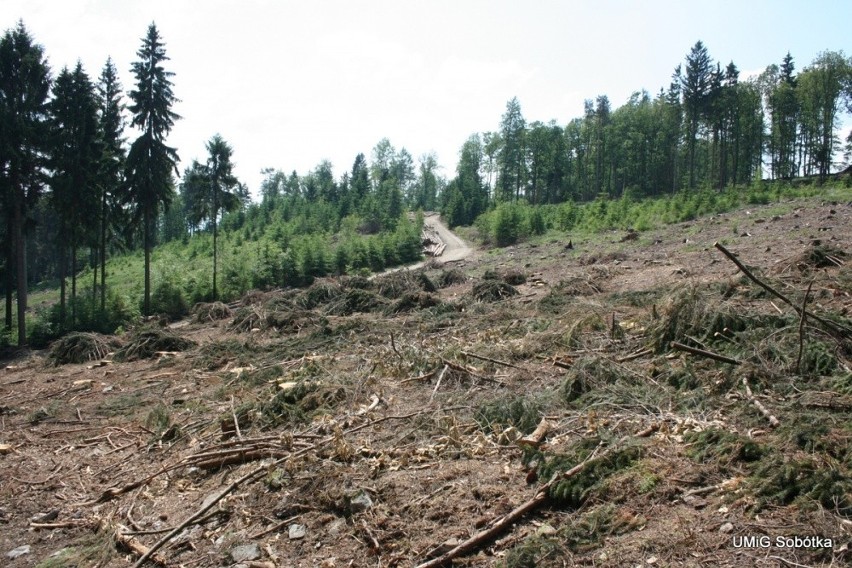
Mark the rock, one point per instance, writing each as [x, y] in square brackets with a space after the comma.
[245, 553]
[297, 531]
[726, 528]
[46, 517]
[20, 551]
[545, 530]
[696, 502]
[360, 502]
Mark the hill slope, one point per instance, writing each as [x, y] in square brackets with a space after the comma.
[362, 422]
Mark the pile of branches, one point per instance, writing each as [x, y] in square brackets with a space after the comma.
[490, 290]
[81, 347]
[209, 312]
[150, 342]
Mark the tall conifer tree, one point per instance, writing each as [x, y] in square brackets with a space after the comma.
[24, 88]
[150, 163]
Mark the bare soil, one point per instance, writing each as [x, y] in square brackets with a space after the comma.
[385, 438]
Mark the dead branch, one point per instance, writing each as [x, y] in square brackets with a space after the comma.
[252, 475]
[483, 358]
[802, 328]
[832, 326]
[537, 437]
[273, 528]
[136, 547]
[438, 383]
[635, 355]
[703, 353]
[757, 404]
[490, 533]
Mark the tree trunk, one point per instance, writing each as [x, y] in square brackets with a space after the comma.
[215, 214]
[146, 244]
[103, 250]
[21, 261]
[214, 258]
[73, 282]
[63, 264]
[10, 280]
[93, 259]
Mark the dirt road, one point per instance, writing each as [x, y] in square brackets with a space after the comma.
[456, 249]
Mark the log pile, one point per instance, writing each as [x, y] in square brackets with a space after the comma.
[433, 245]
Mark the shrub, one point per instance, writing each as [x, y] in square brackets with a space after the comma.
[167, 298]
[507, 223]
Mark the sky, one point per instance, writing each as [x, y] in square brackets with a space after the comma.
[288, 84]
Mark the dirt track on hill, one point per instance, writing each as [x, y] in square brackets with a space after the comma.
[456, 249]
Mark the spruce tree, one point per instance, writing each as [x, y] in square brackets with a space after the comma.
[696, 85]
[150, 163]
[111, 166]
[74, 156]
[24, 89]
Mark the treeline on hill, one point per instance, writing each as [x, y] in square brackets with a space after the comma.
[74, 193]
[707, 130]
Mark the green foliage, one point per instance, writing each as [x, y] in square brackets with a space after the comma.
[592, 480]
[780, 481]
[722, 447]
[588, 374]
[521, 412]
[146, 343]
[168, 299]
[297, 404]
[159, 419]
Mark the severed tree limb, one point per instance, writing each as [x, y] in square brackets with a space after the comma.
[438, 383]
[133, 544]
[833, 326]
[802, 329]
[489, 359]
[759, 405]
[537, 437]
[703, 353]
[541, 496]
[250, 476]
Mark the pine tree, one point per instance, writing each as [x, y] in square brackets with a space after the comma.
[150, 163]
[220, 189]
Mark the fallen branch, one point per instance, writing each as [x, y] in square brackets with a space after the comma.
[802, 329]
[136, 547]
[254, 474]
[835, 327]
[273, 528]
[438, 383]
[635, 355]
[483, 358]
[703, 353]
[537, 437]
[757, 404]
[490, 533]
